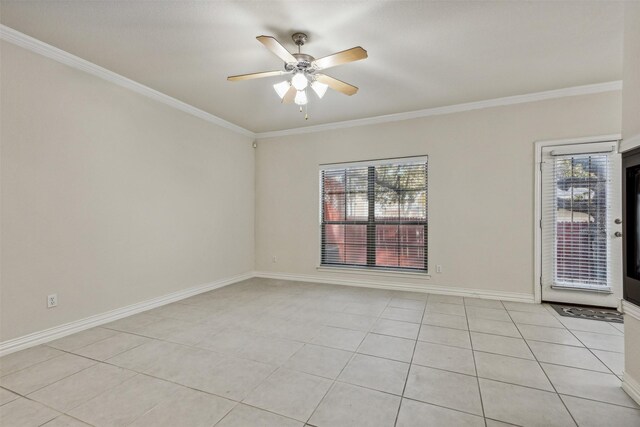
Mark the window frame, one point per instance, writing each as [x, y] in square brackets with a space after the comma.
[370, 222]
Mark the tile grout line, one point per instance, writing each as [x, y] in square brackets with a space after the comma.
[226, 398]
[479, 351]
[373, 389]
[605, 364]
[584, 347]
[474, 376]
[635, 408]
[137, 373]
[33, 364]
[151, 408]
[353, 355]
[588, 348]
[336, 380]
[475, 365]
[415, 344]
[595, 355]
[238, 403]
[543, 371]
[47, 385]
[27, 397]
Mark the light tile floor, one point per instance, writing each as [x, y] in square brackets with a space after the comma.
[276, 353]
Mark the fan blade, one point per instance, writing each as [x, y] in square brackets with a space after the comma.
[289, 96]
[274, 46]
[256, 75]
[349, 55]
[336, 84]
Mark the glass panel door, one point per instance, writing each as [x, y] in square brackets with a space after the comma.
[581, 251]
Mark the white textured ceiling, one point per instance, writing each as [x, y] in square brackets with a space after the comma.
[422, 54]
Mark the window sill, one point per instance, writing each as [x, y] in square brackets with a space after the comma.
[375, 272]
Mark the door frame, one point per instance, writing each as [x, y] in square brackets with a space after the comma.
[537, 205]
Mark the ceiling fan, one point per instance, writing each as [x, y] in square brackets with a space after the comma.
[305, 71]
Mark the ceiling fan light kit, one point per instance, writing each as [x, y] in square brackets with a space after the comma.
[303, 71]
[299, 81]
[282, 88]
[301, 98]
[319, 88]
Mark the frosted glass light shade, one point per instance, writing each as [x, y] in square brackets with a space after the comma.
[319, 88]
[301, 98]
[299, 81]
[282, 88]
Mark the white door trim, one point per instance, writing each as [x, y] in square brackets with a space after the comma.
[537, 208]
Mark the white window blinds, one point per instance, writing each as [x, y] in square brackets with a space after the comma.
[375, 214]
[575, 217]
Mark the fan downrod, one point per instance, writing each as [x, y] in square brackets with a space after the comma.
[304, 60]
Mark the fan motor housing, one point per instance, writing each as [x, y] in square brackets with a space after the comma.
[303, 64]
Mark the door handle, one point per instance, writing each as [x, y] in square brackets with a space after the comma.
[617, 234]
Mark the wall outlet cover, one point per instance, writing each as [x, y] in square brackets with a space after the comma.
[52, 300]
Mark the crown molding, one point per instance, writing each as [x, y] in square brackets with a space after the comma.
[27, 42]
[437, 111]
[629, 143]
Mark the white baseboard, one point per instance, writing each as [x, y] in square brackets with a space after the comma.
[629, 384]
[630, 309]
[632, 387]
[60, 331]
[425, 288]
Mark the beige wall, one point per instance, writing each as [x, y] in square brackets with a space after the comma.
[631, 128]
[481, 190]
[631, 71]
[632, 348]
[110, 198]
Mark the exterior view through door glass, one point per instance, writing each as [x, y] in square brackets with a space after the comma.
[580, 224]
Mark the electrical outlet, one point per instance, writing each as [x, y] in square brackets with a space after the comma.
[274, 259]
[438, 268]
[52, 300]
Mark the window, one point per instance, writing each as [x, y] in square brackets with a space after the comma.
[374, 214]
[578, 208]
